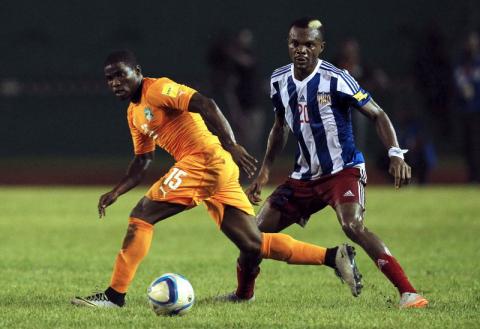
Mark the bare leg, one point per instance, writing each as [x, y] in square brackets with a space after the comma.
[154, 211]
[242, 230]
[270, 220]
[350, 216]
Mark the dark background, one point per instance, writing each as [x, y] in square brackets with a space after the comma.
[58, 119]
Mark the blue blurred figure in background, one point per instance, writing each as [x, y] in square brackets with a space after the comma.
[467, 78]
[414, 135]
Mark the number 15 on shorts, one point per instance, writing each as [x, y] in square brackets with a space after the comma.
[173, 180]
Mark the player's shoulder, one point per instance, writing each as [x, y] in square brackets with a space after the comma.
[156, 86]
[157, 82]
[281, 72]
[328, 68]
[341, 75]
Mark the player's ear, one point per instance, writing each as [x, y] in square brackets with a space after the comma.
[138, 69]
[322, 46]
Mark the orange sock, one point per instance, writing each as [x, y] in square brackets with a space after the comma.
[283, 247]
[135, 247]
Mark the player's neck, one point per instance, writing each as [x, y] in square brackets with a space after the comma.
[302, 74]
[137, 95]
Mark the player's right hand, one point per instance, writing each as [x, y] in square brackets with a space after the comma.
[243, 159]
[106, 200]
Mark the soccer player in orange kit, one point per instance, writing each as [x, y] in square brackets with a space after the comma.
[175, 117]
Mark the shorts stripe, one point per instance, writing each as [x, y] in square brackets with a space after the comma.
[361, 186]
[361, 194]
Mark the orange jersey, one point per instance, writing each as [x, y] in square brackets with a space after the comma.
[161, 118]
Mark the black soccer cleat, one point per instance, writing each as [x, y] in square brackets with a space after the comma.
[98, 299]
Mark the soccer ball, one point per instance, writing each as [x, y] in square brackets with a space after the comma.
[170, 294]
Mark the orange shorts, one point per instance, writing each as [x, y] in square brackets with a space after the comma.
[210, 177]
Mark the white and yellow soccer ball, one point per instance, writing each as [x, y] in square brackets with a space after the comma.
[170, 294]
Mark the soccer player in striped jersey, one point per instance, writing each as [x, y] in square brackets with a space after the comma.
[314, 99]
[180, 120]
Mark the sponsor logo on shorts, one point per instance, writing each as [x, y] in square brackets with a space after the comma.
[163, 191]
[348, 193]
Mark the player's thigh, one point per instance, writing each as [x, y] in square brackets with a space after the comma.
[154, 211]
[347, 196]
[185, 183]
[229, 193]
[347, 186]
[272, 220]
[188, 182]
[241, 228]
[291, 202]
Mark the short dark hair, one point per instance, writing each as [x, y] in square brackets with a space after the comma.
[123, 55]
[308, 22]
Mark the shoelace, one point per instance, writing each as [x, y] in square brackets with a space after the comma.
[100, 296]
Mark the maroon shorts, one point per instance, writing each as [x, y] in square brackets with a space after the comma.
[298, 200]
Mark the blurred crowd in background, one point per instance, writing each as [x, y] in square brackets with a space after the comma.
[425, 74]
[438, 95]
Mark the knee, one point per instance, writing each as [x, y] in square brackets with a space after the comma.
[140, 212]
[251, 245]
[353, 227]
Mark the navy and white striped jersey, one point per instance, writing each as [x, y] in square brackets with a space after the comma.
[318, 112]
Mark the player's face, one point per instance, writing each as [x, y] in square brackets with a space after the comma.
[123, 79]
[304, 47]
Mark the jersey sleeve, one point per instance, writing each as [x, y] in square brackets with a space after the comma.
[165, 93]
[275, 96]
[143, 141]
[349, 90]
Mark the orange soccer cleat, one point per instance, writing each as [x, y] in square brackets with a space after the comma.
[412, 300]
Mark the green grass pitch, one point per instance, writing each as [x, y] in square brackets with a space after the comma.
[53, 246]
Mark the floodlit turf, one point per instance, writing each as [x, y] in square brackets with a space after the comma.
[53, 246]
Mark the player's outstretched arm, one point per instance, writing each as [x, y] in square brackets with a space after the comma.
[276, 142]
[218, 124]
[398, 168]
[135, 173]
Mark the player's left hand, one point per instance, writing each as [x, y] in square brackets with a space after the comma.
[106, 200]
[243, 159]
[400, 170]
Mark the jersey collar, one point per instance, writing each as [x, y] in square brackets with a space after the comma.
[305, 81]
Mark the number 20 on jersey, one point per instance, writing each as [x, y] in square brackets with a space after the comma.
[303, 113]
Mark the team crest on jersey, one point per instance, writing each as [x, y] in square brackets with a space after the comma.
[324, 99]
[148, 113]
